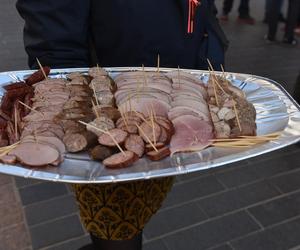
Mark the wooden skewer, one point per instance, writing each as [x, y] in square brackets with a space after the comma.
[16, 123]
[146, 137]
[214, 86]
[25, 105]
[95, 95]
[106, 132]
[224, 76]
[42, 69]
[153, 127]
[237, 117]
[124, 119]
[158, 63]
[95, 110]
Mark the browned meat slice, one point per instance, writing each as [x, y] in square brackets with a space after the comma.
[53, 141]
[109, 112]
[165, 136]
[131, 129]
[118, 134]
[131, 120]
[99, 152]
[37, 76]
[35, 154]
[120, 160]
[102, 123]
[158, 145]
[148, 131]
[79, 141]
[162, 153]
[135, 144]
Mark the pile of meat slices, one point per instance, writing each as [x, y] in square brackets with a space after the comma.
[138, 113]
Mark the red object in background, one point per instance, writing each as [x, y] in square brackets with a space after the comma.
[193, 4]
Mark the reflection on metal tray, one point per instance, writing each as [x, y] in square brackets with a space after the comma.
[276, 110]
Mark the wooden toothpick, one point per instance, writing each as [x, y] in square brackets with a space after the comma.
[237, 117]
[42, 69]
[95, 110]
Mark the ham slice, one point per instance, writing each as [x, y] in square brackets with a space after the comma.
[179, 111]
[144, 105]
[35, 154]
[191, 134]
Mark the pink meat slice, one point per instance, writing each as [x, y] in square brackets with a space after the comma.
[179, 111]
[35, 154]
[191, 134]
[144, 105]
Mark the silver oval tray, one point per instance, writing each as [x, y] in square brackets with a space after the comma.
[276, 111]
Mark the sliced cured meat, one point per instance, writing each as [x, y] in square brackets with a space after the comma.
[79, 141]
[192, 104]
[102, 123]
[191, 134]
[120, 160]
[164, 136]
[147, 131]
[109, 112]
[131, 129]
[123, 94]
[161, 86]
[149, 147]
[54, 141]
[144, 105]
[99, 152]
[161, 154]
[175, 75]
[118, 134]
[135, 144]
[183, 110]
[35, 154]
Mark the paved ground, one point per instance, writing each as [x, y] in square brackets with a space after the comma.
[254, 204]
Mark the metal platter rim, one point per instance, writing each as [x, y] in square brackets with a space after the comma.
[170, 171]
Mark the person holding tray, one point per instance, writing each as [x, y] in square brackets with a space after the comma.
[67, 34]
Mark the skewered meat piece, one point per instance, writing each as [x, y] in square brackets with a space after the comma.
[161, 154]
[135, 144]
[102, 123]
[150, 131]
[37, 76]
[120, 160]
[118, 135]
[99, 152]
[76, 142]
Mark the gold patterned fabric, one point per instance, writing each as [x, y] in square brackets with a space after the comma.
[120, 211]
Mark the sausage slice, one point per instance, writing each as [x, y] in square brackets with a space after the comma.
[156, 156]
[147, 129]
[120, 160]
[118, 134]
[135, 144]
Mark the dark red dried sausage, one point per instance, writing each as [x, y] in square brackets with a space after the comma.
[37, 76]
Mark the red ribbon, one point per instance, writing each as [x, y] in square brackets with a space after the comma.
[193, 4]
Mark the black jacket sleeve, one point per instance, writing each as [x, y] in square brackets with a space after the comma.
[56, 32]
